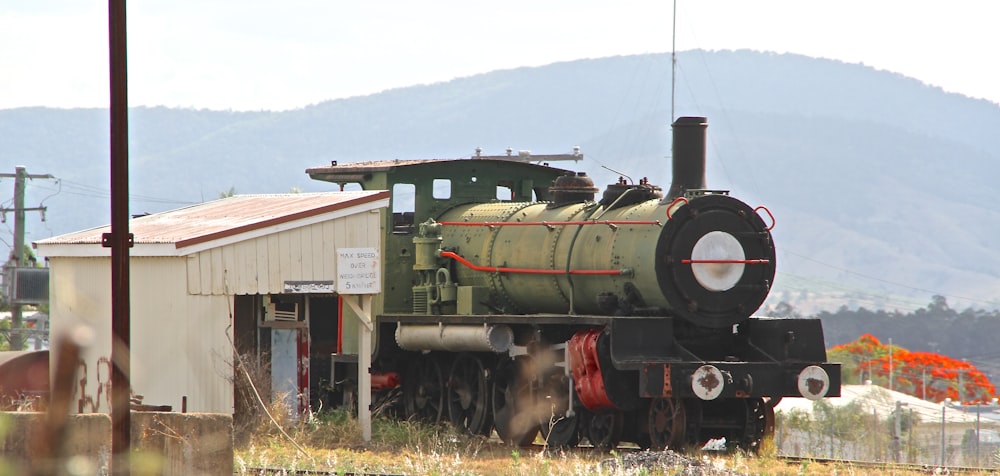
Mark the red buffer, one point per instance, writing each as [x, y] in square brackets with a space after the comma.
[385, 380]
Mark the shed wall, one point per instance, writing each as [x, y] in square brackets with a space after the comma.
[179, 344]
[181, 309]
[80, 303]
[263, 265]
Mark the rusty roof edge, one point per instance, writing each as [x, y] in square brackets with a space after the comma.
[374, 197]
[50, 240]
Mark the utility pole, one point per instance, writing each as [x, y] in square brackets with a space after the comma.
[897, 432]
[17, 254]
[890, 364]
[119, 240]
[961, 384]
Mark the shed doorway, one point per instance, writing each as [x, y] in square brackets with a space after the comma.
[285, 341]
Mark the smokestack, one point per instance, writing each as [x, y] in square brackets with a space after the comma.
[689, 155]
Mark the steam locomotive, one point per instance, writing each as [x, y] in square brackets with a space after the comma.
[517, 301]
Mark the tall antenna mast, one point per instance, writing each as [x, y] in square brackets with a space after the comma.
[673, 63]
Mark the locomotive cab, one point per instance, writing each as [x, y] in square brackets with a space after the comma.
[423, 189]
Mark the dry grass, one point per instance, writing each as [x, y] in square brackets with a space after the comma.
[332, 443]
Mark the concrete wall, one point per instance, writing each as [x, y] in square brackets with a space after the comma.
[23, 441]
[163, 443]
[184, 443]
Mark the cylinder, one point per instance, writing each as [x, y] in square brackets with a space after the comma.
[454, 338]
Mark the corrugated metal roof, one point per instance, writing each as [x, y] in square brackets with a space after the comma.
[225, 217]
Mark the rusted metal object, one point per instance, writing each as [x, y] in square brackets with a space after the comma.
[24, 380]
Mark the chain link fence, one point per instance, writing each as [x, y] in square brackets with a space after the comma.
[880, 429]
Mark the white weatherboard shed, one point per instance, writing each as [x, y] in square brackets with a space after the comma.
[245, 269]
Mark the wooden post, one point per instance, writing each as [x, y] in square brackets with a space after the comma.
[363, 308]
[119, 240]
[359, 274]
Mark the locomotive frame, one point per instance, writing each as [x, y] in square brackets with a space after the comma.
[514, 302]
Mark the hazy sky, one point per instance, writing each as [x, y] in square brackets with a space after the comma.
[256, 54]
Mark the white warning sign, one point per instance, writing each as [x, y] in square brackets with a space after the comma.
[359, 271]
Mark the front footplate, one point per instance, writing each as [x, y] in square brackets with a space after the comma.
[713, 380]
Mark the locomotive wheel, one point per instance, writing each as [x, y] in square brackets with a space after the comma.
[666, 423]
[760, 423]
[561, 432]
[604, 430]
[553, 403]
[423, 390]
[640, 430]
[693, 415]
[769, 404]
[511, 403]
[468, 395]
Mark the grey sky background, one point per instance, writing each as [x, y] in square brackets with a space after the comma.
[256, 54]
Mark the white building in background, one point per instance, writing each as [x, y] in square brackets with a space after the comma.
[36, 327]
[254, 272]
[883, 401]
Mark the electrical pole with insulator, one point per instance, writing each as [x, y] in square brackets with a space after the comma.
[17, 259]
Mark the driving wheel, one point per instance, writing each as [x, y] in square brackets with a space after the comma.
[666, 423]
[468, 395]
[423, 390]
[511, 404]
[604, 430]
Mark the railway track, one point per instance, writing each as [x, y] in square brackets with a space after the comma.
[630, 458]
[304, 472]
[889, 468]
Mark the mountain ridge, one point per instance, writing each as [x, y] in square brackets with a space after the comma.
[870, 174]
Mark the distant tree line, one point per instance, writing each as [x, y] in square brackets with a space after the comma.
[967, 335]
[925, 375]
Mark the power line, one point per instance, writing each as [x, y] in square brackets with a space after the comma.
[885, 281]
[84, 190]
[815, 285]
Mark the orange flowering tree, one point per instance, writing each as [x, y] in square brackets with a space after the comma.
[924, 375]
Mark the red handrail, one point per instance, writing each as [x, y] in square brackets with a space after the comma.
[675, 202]
[762, 207]
[496, 269]
[725, 261]
[547, 223]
